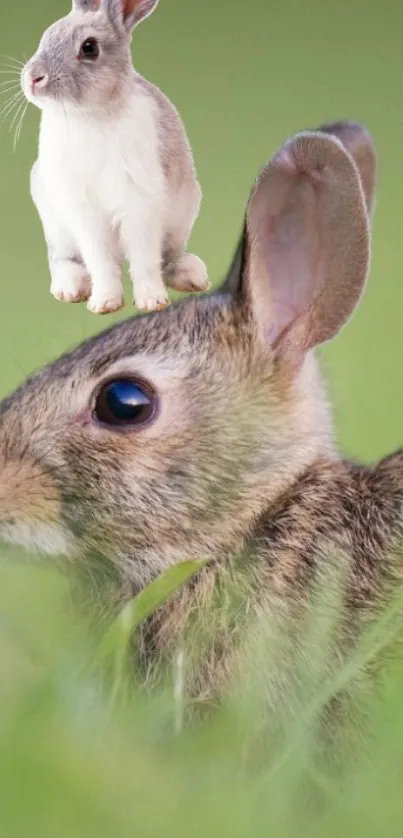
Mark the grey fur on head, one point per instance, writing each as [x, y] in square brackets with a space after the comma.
[88, 83]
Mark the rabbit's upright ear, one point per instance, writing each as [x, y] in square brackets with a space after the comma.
[303, 261]
[130, 12]
[86, 5]
[360, 145]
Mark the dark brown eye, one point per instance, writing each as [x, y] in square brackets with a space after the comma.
[89, 49]
[125, 403]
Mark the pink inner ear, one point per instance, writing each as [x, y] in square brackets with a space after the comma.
[138, 8]
[89, 5]
[128, 8]
[291, 253]
[308, 245]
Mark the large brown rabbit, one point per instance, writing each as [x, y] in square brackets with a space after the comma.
[204, 432]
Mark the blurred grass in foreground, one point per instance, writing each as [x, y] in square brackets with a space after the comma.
[244, 77]
[79, 758]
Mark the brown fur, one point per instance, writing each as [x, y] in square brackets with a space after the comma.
[42, 498]
[240, 466]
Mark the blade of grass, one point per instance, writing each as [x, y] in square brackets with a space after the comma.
[116, 641]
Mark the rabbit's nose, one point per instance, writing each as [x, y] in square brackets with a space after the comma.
[39, 81]
[35, 76]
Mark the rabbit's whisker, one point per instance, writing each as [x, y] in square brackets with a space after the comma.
[13, 112]
[19, 126]
[21, 106]
[10, 105]
[4, 91]
[7, 92]
[16, 122]
[15, 61]
[12, 82]
[11, 68]
[8, 110]
[16, 94]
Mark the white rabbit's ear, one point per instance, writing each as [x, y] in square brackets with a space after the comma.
[130, 12]
[86, 5]
[304, 259]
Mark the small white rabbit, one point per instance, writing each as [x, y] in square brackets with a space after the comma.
[114, 178]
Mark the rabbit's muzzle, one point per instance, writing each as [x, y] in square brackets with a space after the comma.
[30, 507]
[35, 79]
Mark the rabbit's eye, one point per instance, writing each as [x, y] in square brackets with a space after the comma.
[125, 403]
[89, 49]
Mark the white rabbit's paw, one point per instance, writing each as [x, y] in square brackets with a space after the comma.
[105, 303]
[70, 283]
[188, 273]
[148, 300]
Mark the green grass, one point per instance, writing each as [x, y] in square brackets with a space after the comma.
[82, 755]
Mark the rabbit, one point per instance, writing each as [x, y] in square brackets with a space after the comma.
[204, 431]
[114, 178]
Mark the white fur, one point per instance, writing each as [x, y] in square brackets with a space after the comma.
[100, 192]
[49, 539]
[114, 180]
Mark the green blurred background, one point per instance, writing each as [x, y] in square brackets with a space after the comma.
[244, 76]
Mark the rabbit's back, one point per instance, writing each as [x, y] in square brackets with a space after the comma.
[336, 533]
[175, 150]
[337, 508]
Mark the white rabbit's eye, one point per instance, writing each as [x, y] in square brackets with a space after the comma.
[89, 49]
[124, 403]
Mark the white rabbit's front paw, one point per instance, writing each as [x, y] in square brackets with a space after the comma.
[105, 303]
[70, 283]
[149, 298]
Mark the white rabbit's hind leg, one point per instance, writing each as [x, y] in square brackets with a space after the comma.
[184, 271]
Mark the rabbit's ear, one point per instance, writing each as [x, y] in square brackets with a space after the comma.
[233, 279]
[302, 265]
[360, 144]
[86, 5]
[130, 12]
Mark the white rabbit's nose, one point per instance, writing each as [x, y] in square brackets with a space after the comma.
[39, 81]
[35, 77]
